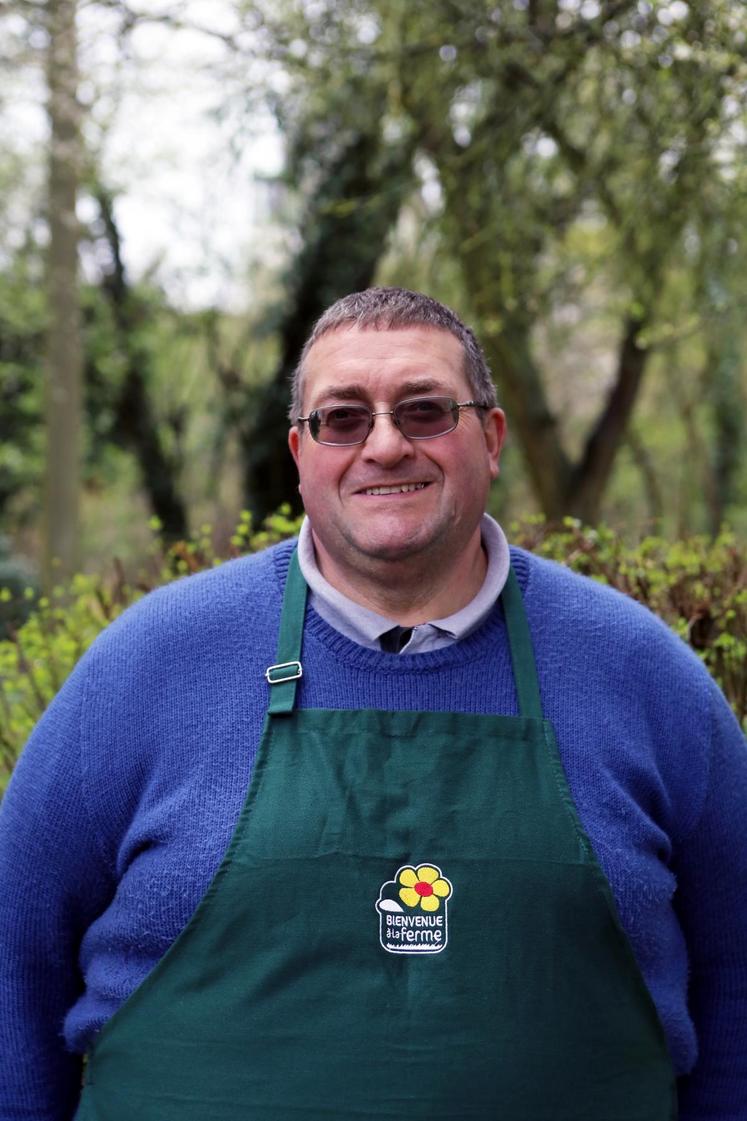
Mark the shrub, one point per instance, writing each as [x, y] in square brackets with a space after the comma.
[698, 586]
[39, 655]
[17, 589]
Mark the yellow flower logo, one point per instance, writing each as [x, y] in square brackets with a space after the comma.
[423, 886]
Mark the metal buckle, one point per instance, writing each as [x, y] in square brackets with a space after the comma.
[286, 676]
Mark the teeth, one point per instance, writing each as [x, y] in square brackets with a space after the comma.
[395, 490]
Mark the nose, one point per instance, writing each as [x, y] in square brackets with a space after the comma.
[386, 444]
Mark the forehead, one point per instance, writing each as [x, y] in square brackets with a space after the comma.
[382, 362]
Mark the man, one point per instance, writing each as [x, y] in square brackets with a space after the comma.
[461, 838]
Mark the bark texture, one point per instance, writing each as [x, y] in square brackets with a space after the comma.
[64, 355]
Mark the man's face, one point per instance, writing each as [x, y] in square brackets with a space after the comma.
[355, 528]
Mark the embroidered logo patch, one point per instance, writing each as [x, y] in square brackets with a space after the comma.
[412, 911]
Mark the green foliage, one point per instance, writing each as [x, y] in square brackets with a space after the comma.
[37, 657]
[583, 204]
[568, 176]
[22, 318]
[698, 586]
[17, 589]
[35, 661]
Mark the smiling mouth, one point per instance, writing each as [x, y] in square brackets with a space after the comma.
[404, 488]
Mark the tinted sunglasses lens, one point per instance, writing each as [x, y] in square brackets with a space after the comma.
[341, 424]
[427, 416]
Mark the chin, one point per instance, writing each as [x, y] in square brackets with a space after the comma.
[397, 549]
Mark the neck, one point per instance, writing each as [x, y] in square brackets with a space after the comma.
[410, 591]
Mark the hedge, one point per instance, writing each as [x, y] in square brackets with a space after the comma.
[698, 586]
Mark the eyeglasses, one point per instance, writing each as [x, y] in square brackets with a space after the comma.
[419, 418]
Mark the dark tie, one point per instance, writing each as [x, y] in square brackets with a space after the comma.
[392, 641]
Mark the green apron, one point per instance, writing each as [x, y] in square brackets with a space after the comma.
[409, 923]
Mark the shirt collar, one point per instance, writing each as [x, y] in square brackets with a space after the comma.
[366, 627]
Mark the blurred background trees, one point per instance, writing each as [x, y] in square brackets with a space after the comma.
[568, 174]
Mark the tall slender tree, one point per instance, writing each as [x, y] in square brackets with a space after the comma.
[64, 359]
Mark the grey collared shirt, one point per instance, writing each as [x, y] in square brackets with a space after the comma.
[366, 627]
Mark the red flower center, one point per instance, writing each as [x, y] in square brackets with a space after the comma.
[422, 888]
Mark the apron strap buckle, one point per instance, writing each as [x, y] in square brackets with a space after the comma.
[282, 672]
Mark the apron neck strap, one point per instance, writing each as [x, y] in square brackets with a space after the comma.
[284, 676]
[522, 654]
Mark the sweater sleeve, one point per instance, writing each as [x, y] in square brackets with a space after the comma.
[52, 885]
[711, 899]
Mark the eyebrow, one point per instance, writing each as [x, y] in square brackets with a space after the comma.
[408, 388]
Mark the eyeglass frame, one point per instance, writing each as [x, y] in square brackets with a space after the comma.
[393, 414]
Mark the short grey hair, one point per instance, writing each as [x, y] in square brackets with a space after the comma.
[388, 309]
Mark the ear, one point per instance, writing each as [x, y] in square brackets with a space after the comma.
[495, 433]
[294, 437]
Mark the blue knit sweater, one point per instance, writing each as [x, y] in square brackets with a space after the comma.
[127, 794]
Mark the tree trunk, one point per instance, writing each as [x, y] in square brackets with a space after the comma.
[723, 393]
[561, 486]
[64, 363]
[592, 473]
[347, 224]
[729, 427]
[522, 393]
[135, 424]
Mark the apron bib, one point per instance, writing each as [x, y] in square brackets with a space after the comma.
[409, 922]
